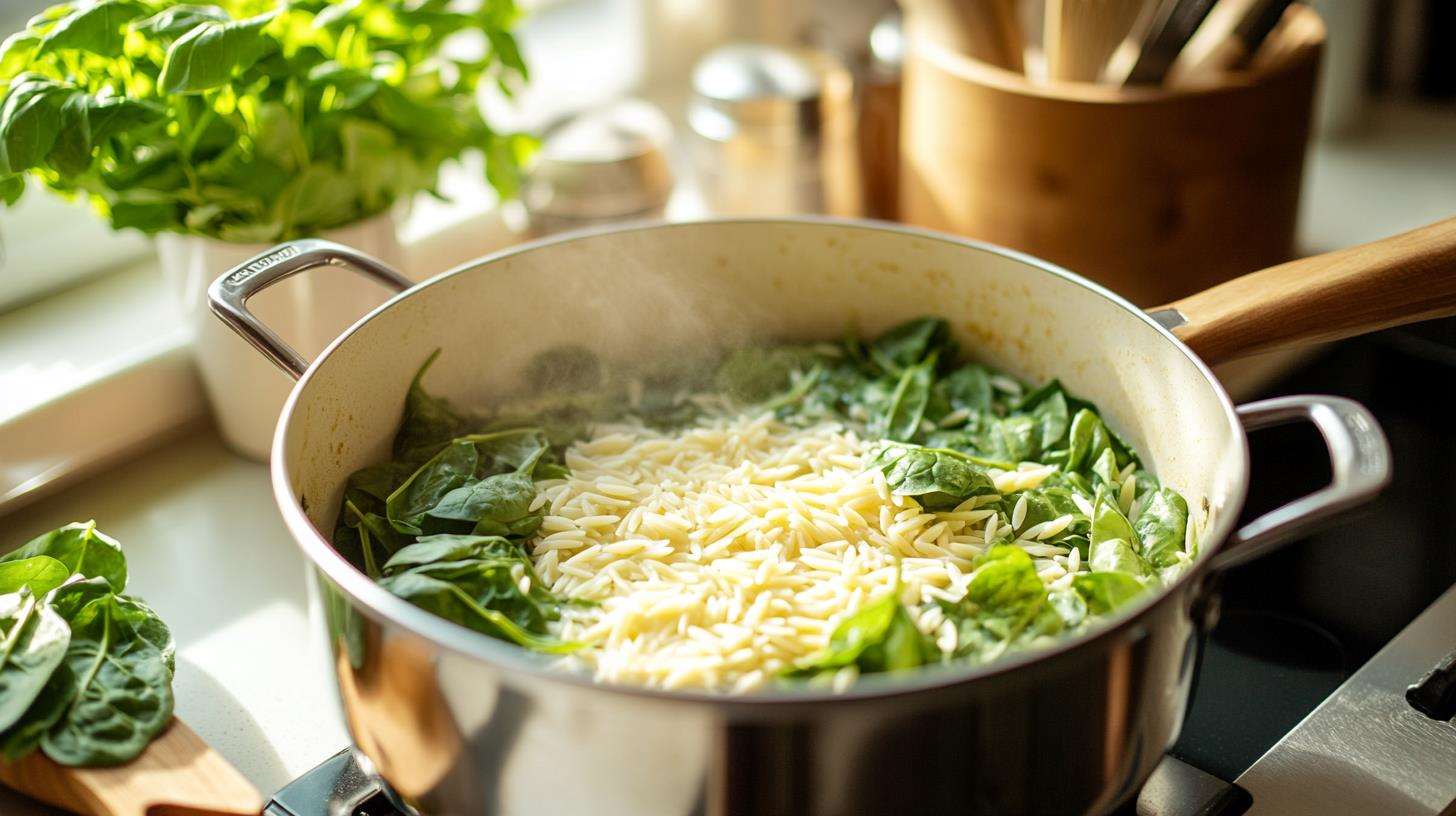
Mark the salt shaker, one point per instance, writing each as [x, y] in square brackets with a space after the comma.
[773, 131]
[604, 165]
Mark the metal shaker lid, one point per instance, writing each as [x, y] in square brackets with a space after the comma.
[609, 162]
[758, 86]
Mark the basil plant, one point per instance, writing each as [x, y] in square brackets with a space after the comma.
[253, 120]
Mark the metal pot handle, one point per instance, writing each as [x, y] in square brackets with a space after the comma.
[228, 295]
[1359, 460]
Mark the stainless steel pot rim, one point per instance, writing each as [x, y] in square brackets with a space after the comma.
[382, 605]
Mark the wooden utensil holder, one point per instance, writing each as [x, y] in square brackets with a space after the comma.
[1154, 192]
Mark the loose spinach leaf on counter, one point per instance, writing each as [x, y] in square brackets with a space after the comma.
[39, 574]
[83, 550]
[120, 655]
[33, 641]
[110, 692]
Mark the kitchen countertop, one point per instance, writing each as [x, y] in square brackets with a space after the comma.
[208, 550]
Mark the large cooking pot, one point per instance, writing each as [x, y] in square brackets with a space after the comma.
[457, 722]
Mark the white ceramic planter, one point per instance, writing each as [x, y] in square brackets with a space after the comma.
[310, 310]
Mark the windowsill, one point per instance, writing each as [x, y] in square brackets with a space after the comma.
[95, 373]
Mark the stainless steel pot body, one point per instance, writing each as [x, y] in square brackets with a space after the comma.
[459, 723]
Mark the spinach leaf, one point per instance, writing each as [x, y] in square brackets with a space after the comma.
[429, 422]
[938, 478]
[39, 574]
[451, 468]
[1109, 523]
[880, 637]
[483, 582]
[754, 374]
[33, 641]
[120, 654]
[1104, 592]
[83, 550]
[968, 388]
[46, 710]
[1085, 441]
[1162, 526]
[453, 603]
[910, 343]
[496, 505]
[1047, 407]
[901, 421]
[1005, 603]
[516, 449]
[1117, 555]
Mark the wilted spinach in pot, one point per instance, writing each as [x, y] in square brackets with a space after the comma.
[449, 523]
[85, 671]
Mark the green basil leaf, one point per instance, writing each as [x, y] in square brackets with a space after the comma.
[212, 53]
[33, 641]
[99, 28]
[83, 549]
[30, 119]
[17, 51]
[173, 22]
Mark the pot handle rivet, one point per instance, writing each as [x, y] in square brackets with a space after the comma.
[228, 295]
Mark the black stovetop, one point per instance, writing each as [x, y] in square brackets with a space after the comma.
[1295, 624]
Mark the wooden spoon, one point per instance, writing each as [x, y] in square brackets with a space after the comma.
[177, 775]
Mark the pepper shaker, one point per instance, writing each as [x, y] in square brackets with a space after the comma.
[773, 131]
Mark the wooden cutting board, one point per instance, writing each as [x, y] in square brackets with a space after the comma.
[177, 775]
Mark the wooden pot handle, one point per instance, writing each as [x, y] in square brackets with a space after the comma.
[1364, 288]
